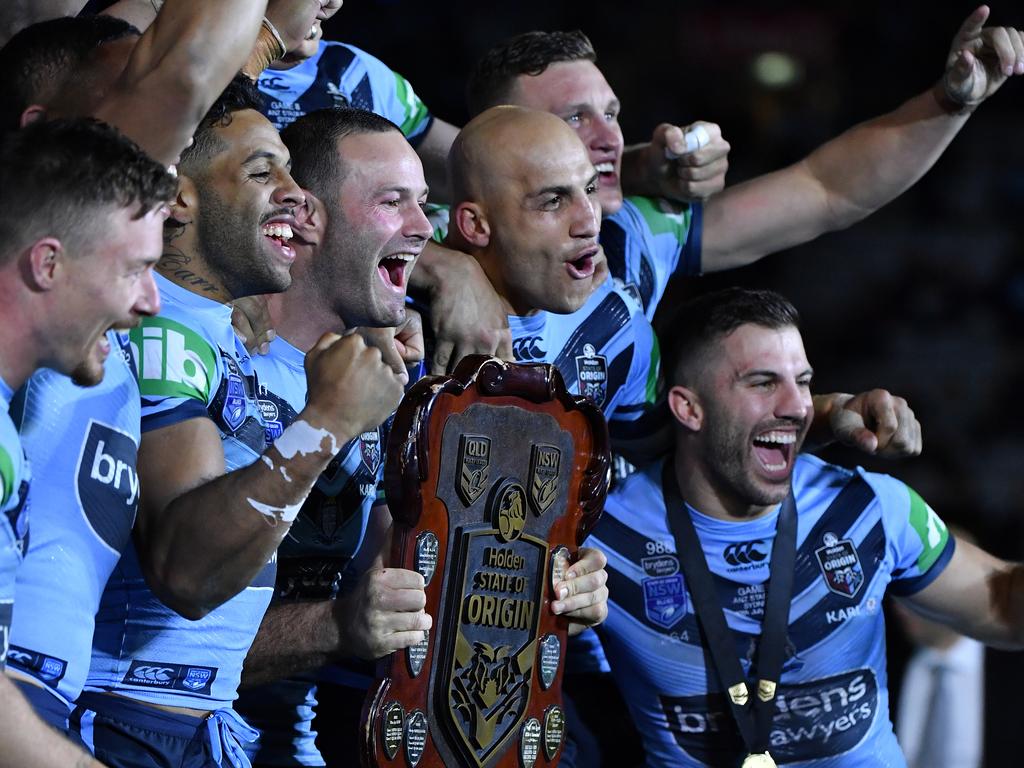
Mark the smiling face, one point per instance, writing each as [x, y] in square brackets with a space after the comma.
[755, 395]
[376, 229]
[577, 92]
[246, 202]
[537, 197]
[108, 286]
[311, 44]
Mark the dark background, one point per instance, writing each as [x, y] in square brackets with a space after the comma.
[924, 298]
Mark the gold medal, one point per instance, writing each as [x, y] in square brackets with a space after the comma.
[739, 694]
[766, 690]
[759, 760]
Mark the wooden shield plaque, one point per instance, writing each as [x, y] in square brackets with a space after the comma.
[491, 473]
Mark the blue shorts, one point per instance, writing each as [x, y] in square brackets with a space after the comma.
[126, 734]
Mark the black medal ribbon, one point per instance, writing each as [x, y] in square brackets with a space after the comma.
[754, 717]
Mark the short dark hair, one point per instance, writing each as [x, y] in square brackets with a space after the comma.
[241, 94]
[492, 79]
[57, 176]
[312, 141]
[38, 61]
[700, 322]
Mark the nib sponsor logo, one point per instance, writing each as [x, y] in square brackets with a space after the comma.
[107, 483]
[174, 360]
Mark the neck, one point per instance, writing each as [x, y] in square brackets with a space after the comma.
[511, 304]
[703, 494]
[301, 317]
[182, 264]
[17, 358]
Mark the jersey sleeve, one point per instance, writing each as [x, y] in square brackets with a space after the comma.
[638, 425]
[438, 216]
[398, 101]
[7, 478]
[918, 540]
[177, 367]
[673, 233]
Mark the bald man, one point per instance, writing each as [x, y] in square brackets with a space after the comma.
[526, 208]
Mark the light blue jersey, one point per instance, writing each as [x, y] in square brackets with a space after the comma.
[605, 350]
[647, 242]
[858, 535]
[315, 558]
[340, 75]
[14, 484]
[83, 442]
[191, 365]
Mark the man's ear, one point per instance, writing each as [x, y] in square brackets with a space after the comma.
[470, 222]
[33, 113]
[45, 260]
[686, 407]
[185, 204]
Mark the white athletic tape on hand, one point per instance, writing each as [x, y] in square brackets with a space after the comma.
[695, 138]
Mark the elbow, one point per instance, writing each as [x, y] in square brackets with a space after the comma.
[179, 590]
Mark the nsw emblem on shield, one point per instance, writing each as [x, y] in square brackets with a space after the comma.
[544, 462]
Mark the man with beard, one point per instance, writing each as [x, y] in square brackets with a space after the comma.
[81, 216]
[161, 684]
[86, 489]
[771, 564]
[353, 258]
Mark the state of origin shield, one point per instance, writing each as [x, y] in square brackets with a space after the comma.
[493, 475]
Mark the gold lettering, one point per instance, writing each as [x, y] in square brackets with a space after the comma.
[504, 612]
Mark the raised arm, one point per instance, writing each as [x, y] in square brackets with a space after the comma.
[183, 61]
[864, 168]
[203, 535]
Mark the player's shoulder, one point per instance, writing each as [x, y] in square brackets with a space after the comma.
[11, 461]
[654, 214]
[815, 477]
[638, 497]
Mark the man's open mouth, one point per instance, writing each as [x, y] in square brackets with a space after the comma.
[280, 233]
[393, 270]
[774, 449]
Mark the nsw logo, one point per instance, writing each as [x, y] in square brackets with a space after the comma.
[107, 482]
[840, 565]
[182, 677]
[745, 553]
[665, 600]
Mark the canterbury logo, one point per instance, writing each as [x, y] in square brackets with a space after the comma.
[527, 348]
[745, 553]
[155, 674]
